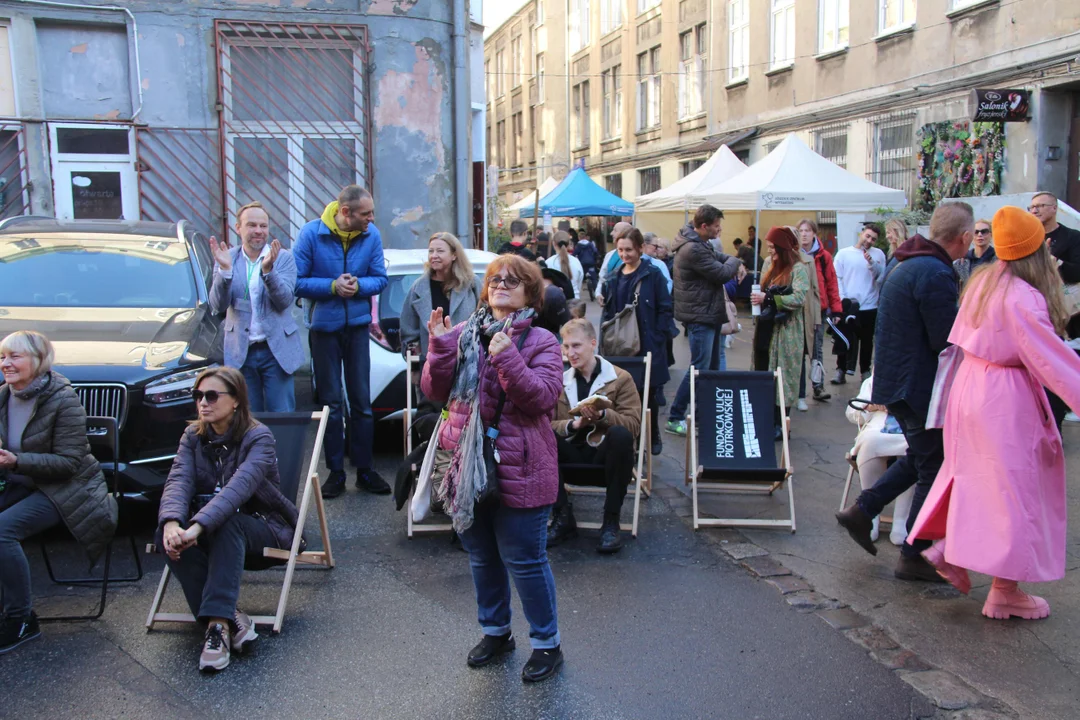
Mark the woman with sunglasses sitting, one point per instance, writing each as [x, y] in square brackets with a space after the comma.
[221, 503]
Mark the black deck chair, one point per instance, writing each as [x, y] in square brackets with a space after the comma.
[412, 527]
[640, 369]
[295, 443]
[729, 444]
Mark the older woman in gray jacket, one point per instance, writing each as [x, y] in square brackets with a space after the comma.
[448, 282]
[47, 474]
[221, 503]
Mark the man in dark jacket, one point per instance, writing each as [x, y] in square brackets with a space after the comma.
[518, 245]
[700, 275]
[917, 307]
[339, 265]
[1065, 246]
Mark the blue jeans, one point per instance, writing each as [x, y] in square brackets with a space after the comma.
[919, 467]
[346, 349]
[270, 388]
[23, 513]
[706, 353]
[211, 570]
[516, 539]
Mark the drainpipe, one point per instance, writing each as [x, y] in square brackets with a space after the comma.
[462, 123]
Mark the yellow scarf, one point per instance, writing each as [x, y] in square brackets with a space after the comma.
[328, 217]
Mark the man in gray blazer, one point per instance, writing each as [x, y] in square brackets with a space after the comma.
[261, 337]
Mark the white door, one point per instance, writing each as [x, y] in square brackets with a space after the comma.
[94, 174]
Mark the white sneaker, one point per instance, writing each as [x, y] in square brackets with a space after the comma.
[801, 405]
[1072, 417]
[875, 530]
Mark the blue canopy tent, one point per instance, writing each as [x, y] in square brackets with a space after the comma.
[578, 196]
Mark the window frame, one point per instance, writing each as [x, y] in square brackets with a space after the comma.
[646, 5]
[642, 172]
[516, 62]
[540, 81]
[738, 69]
[500, 73]
[840, 17]
[903, 24]
[692, 70]
[784, 9]
[607, 22]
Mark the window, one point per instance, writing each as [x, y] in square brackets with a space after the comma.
[580, 25]
[643, 5]
[688, 166]
[770, 146]
[610, 15]
[649, 89]
[7, 84]
[613, 184]
[489, 81]
[831, 143]
[540, 78]
[783, 34]
[832, 25]
[500, 73]
[515, 148]
[892, 154]
[517, 62]
[611, 84]
[580, 95]
[961, 4]
[738, 40]
[648, 180]
[895, 14]
[539, 12]
[692, 44]
[500, 143]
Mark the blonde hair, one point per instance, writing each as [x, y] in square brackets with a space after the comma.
[256, 205]
[900, 228]
[34, 344]
[563, 251]
[580, 325]
[461, 272]
[1039, 270]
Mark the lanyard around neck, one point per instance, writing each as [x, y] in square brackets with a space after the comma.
[251, 268]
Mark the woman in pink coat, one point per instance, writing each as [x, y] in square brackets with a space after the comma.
[999, 499]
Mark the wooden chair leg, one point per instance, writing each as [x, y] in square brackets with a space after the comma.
[847, 488]
[158, 597]
[324, 528]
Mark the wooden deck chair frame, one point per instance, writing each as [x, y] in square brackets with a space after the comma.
[324, 558]
[853, 468]
[411, 526]
[695, 471]
[642, 476]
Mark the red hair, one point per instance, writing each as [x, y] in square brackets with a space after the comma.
[527, 272]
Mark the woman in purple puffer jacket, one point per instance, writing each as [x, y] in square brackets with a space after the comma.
[497, 351]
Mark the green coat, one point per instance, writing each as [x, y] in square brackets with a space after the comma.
[788, 341]
[56, 456]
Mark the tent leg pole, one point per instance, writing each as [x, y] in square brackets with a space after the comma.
[757, 245]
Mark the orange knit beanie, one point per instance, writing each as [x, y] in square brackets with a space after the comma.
[1017, 233]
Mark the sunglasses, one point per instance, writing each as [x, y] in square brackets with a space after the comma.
[982, 231]
[210, 395]
[509, 282]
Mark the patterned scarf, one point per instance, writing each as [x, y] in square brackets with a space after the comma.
[466, 477]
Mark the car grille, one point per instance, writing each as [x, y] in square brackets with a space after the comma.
[103, 400]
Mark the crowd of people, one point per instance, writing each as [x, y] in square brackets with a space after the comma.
[518, 387]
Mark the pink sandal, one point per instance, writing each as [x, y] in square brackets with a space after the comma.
[1007, 600]
[955, 574]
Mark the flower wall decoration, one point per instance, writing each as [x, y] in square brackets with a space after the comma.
[959, 159]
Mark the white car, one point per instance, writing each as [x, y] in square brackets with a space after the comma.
[388, 375]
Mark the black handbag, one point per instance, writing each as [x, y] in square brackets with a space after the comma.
[490, 495]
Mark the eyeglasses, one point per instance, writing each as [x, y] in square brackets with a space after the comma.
[211, 396]
[982, 231]
[1033, 208]
[509, 282]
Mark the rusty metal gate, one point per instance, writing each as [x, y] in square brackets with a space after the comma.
[295, 117]
[14, 176]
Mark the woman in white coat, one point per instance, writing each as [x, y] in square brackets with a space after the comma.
[877, 441]
[566, 263]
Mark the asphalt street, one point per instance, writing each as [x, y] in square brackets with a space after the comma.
[671, 627]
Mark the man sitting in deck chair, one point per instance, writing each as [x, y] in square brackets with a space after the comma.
[599, 432]
[221, 503]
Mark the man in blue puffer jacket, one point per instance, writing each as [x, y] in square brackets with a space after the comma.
[339, 266]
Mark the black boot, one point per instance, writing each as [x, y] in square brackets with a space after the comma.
[610, 538]
[820, 394]
[334, 485]
[372, 482]
[563, 526]
[916, 568]
[489, 648]
[14, 631]
[542, 664]
[859, 525]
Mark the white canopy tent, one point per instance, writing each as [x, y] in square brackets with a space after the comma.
[794, 177]
[688, 192]
[529, 201]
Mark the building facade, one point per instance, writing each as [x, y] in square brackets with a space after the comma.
[645, 90]
[188, 110]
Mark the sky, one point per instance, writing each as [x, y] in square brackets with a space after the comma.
[497, 11]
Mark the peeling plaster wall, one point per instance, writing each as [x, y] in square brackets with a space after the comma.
[84, 71]
[411, 86]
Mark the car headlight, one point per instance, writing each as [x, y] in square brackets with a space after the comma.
[177, 386]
